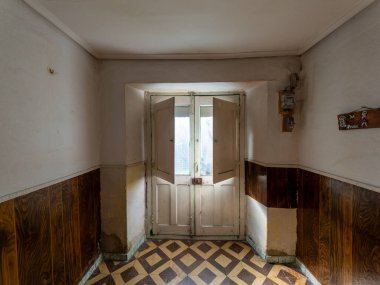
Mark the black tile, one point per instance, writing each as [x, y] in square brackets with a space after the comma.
[204, 247]
[168, 275]
[236, 248]
[219, 243]
[129, 274]
[287, 277]
[207, 275]
[187, 281]
[173, 247]
[246, 276]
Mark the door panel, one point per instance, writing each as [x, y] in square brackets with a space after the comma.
[216, 204]
[173, 201]
[173, 209]
[225, 143]
[163, 133]
[180, 208]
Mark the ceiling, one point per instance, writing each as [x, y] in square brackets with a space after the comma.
[127, 29]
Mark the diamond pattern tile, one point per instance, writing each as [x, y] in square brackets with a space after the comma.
[189, 262]
[207, 275]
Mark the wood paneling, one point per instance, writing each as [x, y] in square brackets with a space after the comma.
[72, 231]
[8, 250]
[88, 226]
[341, 233]
[96, 192]
[324, 269]
[271, 186]
[366, 237]
[57, 234]
[51, 236]
[33, 238]
[310, 219]
[282, 187]
[338, 234]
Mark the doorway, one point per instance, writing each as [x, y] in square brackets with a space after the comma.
[195, 161]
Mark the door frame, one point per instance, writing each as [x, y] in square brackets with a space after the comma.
[148, 157]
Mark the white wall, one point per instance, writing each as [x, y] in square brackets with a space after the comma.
[256, 110]
[265, 141]
[341, 74]
[257, 224]
[134, 120]
[282, 231]
[135, 203]
[48, 123]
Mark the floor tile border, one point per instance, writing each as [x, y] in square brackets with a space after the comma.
[307, 272]
[281, 259]
[91, 270]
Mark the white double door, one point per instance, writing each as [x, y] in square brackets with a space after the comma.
[195, 165]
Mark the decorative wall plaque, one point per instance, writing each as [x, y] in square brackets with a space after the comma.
[364, 118]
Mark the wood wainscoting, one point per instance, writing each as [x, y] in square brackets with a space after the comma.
[274, 187]
[338, 224]
[338, 230]
[51, 236]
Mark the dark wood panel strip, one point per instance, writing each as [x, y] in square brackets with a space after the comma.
[311, 219]
[325, 199]
[71, 231]
[57, 234]
[271, 186]
[300, 237]
[341, 233]
[33, 238]
[366, 237]
[8, 245]
[87, 220]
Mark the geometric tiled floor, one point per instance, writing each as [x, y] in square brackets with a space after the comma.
[195, 262]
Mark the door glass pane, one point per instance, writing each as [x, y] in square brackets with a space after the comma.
[206, 142]
[182, 140]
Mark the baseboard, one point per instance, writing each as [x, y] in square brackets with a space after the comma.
[282, 259]
[91, 270]
[182, 237]
[306, 272]
[125, 256]
[115, 256]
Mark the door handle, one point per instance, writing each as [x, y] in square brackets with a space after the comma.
[197, 181]
[196, 167]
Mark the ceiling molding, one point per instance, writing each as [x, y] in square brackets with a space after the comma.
[37, 6]
[331, 28]
[201, 55]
